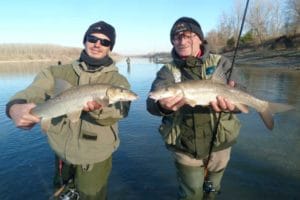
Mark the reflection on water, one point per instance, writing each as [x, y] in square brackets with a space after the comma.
[264, 164]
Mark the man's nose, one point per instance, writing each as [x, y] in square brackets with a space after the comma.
[98, 43]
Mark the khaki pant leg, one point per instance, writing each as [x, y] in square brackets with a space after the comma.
[219, 160]
[216, 168]
[92, 184]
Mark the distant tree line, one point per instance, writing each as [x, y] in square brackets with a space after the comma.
[37, 52]
[47, 52]
[265, 19]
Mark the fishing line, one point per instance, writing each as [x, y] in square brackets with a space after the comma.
[215, 131]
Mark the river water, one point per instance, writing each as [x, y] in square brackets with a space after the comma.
[264, 164]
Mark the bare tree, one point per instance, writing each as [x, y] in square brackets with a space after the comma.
[265, 19]
[225, 28]
[258, 19]
[229, 25]
[215, 41]
[238, 12]
[292, 21]
[275, 19]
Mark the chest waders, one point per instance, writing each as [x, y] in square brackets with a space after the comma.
[202, 122]
[170, 128]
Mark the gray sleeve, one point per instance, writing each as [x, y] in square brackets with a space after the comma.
[235, 74]
[163, 77]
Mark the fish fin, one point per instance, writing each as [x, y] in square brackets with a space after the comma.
[191, 102]
[219, 76]
[242, 107]
[267, 118]
[61, 85]
[74, 116]
[45, 124]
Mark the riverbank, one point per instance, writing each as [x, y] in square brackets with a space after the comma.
[278, 53]
[263, 58]
[282, 59]
[272, 54]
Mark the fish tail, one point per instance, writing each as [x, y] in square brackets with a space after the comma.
[272, 108]
[279, 107]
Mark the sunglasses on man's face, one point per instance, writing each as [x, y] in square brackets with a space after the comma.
[94, 39]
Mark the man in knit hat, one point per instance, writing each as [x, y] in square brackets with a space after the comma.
[83, 148]
[188, 131]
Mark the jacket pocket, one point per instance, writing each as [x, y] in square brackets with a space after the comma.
[97, 135]
[55, 125]
[97, 143]
[228, 130]
[169, 134]
[169, 130]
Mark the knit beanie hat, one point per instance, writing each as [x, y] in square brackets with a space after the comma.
[186, 24]
[104, 28]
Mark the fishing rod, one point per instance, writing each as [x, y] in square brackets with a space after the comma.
[238, 40]
[208, 187]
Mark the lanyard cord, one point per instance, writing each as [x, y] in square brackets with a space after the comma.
[215, 130]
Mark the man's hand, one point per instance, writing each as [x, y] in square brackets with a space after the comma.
[92, 105]
[172, 103]
[21, 116]
[223, 104]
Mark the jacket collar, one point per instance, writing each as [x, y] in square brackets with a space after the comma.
[81, 67]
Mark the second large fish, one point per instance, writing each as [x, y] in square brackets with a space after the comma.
[202, 92]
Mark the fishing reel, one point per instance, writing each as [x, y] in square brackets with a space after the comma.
[208, 187]
[71, 194]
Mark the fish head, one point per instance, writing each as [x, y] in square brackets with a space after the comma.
[116, 94]
[165, 92]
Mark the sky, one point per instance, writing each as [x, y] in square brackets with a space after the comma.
[142, 26]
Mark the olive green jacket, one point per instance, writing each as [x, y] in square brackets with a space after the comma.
[189, 130]
[95, 136]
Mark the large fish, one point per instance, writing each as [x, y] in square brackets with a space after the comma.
[71, 101]
[202, 92]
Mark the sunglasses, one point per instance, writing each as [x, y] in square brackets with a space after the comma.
[179, 37]
[94, 39]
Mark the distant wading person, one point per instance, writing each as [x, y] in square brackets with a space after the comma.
[84, 148]
[128, 61]
[187, 131]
